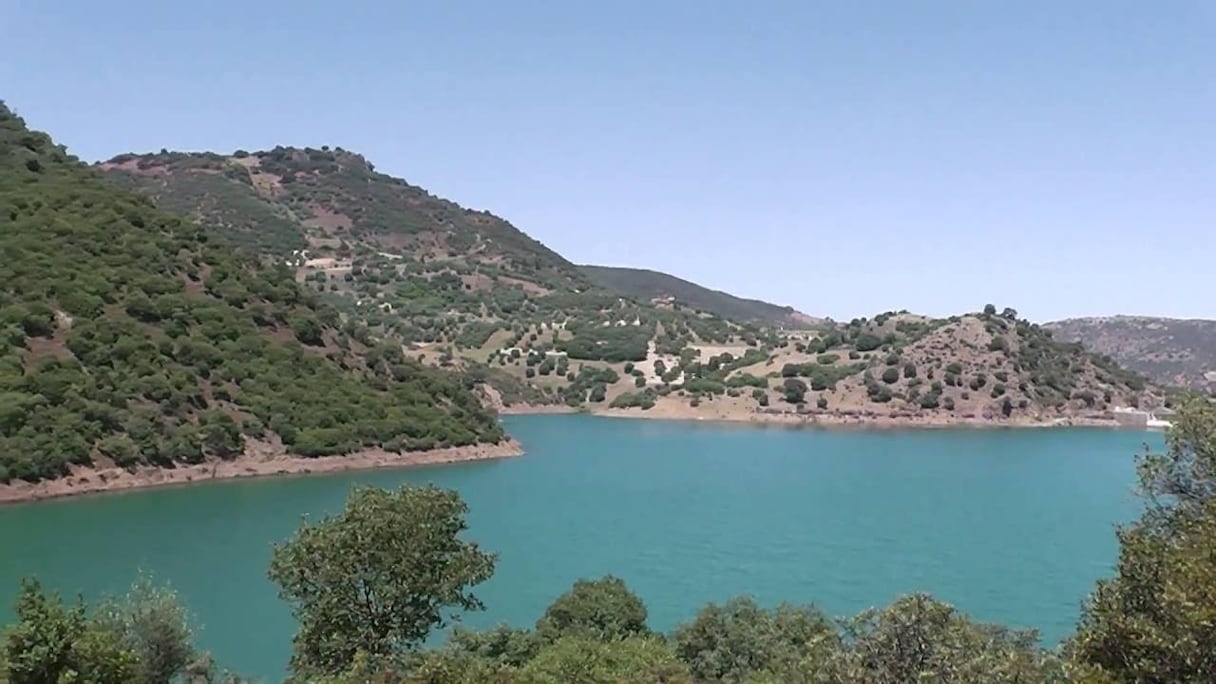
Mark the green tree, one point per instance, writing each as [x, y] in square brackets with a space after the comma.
[377, 578]
[1155, 621]
[601, 609]
[152, 624]
[586, 660]
[739, 639]
[918, 639]
[52, 643]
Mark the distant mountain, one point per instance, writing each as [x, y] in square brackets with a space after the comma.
[656, 287]
[1168, 350]
[133, 337]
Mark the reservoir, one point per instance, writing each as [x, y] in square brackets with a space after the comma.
[1009, 525]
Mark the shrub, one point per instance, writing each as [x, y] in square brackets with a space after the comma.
[854, 354]
[795, 390]
[909, 370]
[954, 369]
[890, 376]
[997, 390]
[867, 342]
[948, 403]
[978, 381]
[822, 403]
[827, 359]
[892, 359]
[599, 609]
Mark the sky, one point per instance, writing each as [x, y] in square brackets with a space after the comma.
[845, 158]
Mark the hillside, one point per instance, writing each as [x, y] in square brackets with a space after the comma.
[1168, 350]
[901, 368]
[133, 337]
[653, 286]
[461, 288]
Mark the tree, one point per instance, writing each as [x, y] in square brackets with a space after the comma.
[153, 625]
[53, 643]
[989, 309]
[795, 390]
[633, 660]
[1155, 621]
[377, 578]
[918, 639]
[732, 642]
[600, 609]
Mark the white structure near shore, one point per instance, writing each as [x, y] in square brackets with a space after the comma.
[1137, 418]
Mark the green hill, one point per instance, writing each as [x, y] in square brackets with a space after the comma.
[132, 336]
[649, 285]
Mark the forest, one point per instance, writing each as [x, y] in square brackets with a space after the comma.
[134, 337]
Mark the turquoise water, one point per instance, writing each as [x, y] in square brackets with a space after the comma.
[1012, 526]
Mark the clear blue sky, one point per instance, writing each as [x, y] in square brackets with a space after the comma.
[842, 157]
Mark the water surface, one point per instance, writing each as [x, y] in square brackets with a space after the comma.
[1010, 525]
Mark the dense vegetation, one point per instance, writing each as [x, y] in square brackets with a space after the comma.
[132, 336]
[369, 585]
[647, 285]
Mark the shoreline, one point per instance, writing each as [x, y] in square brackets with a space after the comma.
[839, 420]
[87, 481]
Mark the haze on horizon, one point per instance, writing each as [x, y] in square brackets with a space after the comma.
[844, 158]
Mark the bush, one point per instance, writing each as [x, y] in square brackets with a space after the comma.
[760, 396]
[731, 642]
[827, 359]
[822, 403]
[867, 342]
[795, 390]
[977, 382]
[892, 359]
[909, 370]
[599, 609]
[890, 376]
[948, 403]
[854, 354]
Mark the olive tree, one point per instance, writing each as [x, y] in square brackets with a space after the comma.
[379, 577]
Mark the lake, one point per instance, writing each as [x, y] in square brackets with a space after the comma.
[1009, 525]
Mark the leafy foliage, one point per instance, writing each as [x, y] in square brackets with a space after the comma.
[377, 578]
[125, 326]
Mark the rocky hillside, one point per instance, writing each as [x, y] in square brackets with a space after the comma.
[1168, 350]
[132, 336]
[977, 367]
[653, 286]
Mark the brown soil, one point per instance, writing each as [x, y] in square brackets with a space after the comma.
[255, 463]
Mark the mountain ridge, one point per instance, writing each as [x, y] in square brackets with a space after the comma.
[1174, 351]
[651, 285]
